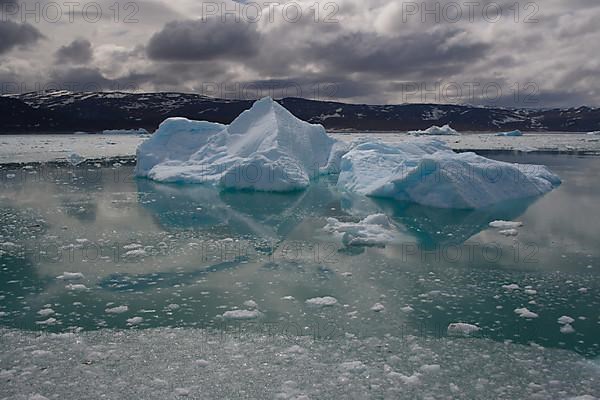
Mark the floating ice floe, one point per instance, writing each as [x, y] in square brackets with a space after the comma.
[436, 131]
[511, 133]
[265, 148]
[374, 230]
[241, 314]
[525, 313]
[116, 310]
[462, 329]
[505, 224]
[428, 172]
[326, 301]
[134, 321]
[70, 276]
[377, 307]
[509, 232]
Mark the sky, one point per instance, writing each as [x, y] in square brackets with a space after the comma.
[498, 53]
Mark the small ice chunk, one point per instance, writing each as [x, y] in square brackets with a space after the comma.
[462, 329]
[430, 368]
[373, 230]
[509, 232]
[377, 307]
[565, 319]
[46, 312]
[117, 310]
[407, 309]
[49, 321]
[525, 313]
[500, 224]
[135, 320]
[202, 363]
[322, 301]
[76, 287]
[251, 304]
[70, 276]
[74, 159]
[353, 366]
[567, 328]
[512, 286]
[241, 314]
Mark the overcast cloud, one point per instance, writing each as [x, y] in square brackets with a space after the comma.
[532, 54]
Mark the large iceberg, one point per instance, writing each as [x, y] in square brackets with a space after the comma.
[265, 148]
[428, 172]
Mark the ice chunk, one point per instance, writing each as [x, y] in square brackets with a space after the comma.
[176, 139]
[376, 229]
[436, 130]
[505, 224]
[511, 133]
[509, 232]
[70, 276]
[565, 319]
[135, 321]
[265, 148]
[242, 314]
[377, 307]
[512, 286]
[525, 313]
[567, 328]
[462, 329]
[77, 286]
[46, 312]
[117, 310]
[322, 301]
[428, 172]
[74, 159]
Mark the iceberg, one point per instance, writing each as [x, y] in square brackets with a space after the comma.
[265, 148]
[445, 130]
[511, 133]
[175, 140]
[428, 172]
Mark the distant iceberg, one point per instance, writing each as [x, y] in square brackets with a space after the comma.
[265, 148]
[428, 172]
[511, 133]
[445, 130]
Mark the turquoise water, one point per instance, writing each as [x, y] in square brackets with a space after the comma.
[184, 255]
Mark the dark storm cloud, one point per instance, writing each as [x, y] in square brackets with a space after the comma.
[204, 40]
[79, 51]
[419, 54]
[14, 35]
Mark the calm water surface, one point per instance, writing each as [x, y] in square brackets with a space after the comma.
[184, 255]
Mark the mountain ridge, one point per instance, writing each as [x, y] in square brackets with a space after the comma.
[68, 112]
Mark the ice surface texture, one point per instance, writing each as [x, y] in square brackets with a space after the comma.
[201, 364]
[428, 172]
